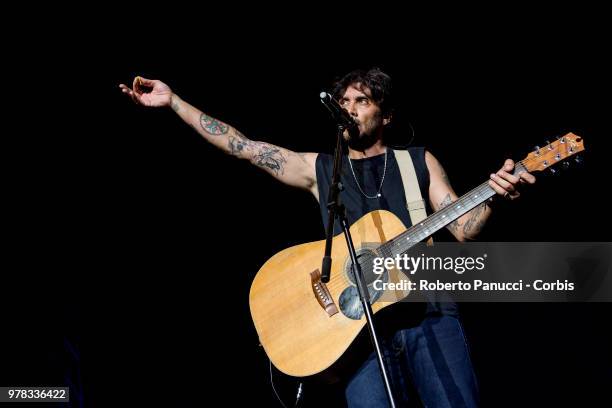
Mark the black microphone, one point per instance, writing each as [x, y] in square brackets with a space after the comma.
[340, 116]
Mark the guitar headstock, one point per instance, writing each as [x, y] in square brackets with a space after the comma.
[556, 152]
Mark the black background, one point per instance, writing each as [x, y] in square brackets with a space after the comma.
[134, 239]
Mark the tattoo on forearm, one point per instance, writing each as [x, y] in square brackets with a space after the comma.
[447, 200]
[475, 223]
[453, 226]
[238, 143]
[213, 126]
[175, 106]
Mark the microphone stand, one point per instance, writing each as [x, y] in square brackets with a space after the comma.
[336, 210]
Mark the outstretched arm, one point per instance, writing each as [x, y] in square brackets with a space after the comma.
[291, 168]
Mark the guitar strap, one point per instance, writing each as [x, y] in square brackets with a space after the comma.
[414, 198]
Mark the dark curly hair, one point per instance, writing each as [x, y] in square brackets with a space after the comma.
[375, 80]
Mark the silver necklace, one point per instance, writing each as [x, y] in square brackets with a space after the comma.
[378, 195]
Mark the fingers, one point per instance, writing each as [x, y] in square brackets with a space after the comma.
[527, 177]
[523, 177]
[126, 90]
[505, 185]
[504, 182]
[136, 84]
[503, 191]
[146, 82]
[141, 83]
[511, 178]
[498, 189]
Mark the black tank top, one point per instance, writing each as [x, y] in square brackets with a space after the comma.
[368, 173]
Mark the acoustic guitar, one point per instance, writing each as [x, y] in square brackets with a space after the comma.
[306, 325]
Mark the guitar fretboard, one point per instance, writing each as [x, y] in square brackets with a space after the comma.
[438, 220]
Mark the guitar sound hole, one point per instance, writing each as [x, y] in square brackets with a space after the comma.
[350, 305]
[365, 257]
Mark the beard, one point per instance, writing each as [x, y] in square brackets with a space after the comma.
[360, 140]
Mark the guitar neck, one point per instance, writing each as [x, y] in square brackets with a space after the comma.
[440, 219]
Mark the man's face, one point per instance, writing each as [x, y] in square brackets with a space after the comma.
[365, 111]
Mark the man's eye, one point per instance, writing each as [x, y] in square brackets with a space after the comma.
[364, 101]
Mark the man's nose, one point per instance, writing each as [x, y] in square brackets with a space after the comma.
[350, 108]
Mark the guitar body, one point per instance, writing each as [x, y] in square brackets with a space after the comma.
[302, 335]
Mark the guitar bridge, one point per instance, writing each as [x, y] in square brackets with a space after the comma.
[322, 293]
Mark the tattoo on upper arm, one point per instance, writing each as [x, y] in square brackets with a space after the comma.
[261, 154]
[213, 126]
[453, 226]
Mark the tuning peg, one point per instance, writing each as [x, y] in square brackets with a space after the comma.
[537, 150]
[549, 145]
[578, 160]
[552, 171]
[565, 165]
[561, 139]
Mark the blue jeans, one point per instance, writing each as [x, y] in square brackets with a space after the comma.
[432, 358]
